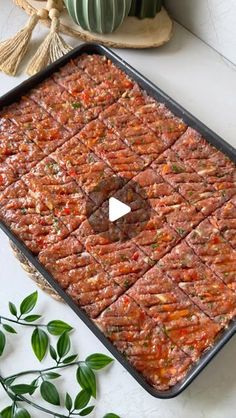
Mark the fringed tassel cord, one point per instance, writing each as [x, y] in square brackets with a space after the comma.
[13, 50]
[52, 48]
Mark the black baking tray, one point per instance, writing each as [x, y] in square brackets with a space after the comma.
[190, 120]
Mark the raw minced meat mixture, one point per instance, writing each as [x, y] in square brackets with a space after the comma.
[162, 296]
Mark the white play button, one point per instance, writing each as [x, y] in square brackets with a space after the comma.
[124, 209]
[117, 209]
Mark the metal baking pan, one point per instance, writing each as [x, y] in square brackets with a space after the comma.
[190, 120]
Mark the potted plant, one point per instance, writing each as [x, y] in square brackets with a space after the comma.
[101, 16]
[145, 8]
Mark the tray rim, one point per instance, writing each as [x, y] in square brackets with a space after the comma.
[15, 94]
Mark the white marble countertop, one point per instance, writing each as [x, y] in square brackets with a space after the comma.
[205, 84]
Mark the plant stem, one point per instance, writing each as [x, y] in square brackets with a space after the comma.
[22, 398]
[16, 321]
[48, 369]
[40, 408]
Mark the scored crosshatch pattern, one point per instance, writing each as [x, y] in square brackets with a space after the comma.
[212, 248]
[168, 203]
[162, 296]
[225, 220]
[184, 323]
[198, 281]
[143, 343]
[37, 125]
[80, 275]
[85, 167]
[20, 153]
[59, 192]
[155, 116]
[30, 218]
[187, 182]
[215, 167]
[63, 106]
[136, 135]
[107, 145]
[124, 261]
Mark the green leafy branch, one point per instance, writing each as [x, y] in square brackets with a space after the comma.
[40, 337]
[86, 371]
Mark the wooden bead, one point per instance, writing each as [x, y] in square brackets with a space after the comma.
[51, 4]
[60, 5]
[42, 13]
[54, 13]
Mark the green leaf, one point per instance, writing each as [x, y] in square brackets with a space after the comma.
[86, 411]
[68, 402]
[32, 318]
[21, 413]
[82, 399]
[28, 303]
[51, 375]
[49, 393]
[110, 415]
[9, 381]
[39, 342]
[34, 382]
[2, 342]
[53, 353]
[6, 412]
[12, 308]
[86, 378]
[58, 327]
[63, 345]
[70, 359]
[98, 361]
[23, 389]
[8, 328]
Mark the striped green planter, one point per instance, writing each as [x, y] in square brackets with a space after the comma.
[145, 8]
[101, 16]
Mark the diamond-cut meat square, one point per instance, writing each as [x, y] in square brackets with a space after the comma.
[173, 311]
[80, 276]
[83, 166]
[156, 238]
[7, 176]
[213, 250]
[102, 70]
[35, 123]
[60, 193]
[123, 261]
[225, 220]
[188, 183]
[200, 284]
[71, 78]
[143, 344]
[30, 220]
[156, 116]
[63, 107]
[107, 145]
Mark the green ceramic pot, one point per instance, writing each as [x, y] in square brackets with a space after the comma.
[145, 8]
[101, 16]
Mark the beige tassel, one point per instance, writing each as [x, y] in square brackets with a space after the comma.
[52, 48]
[13, 50]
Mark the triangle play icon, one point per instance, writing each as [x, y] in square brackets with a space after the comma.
[117, 209]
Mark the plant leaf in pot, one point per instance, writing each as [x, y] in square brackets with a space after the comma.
[145, 8]
[100, 16]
